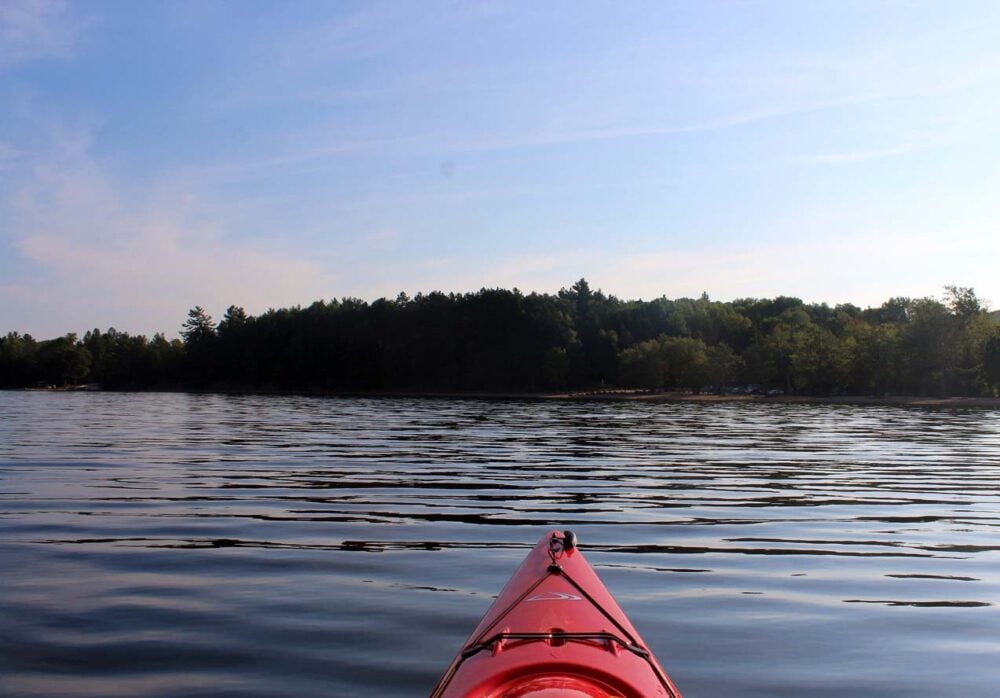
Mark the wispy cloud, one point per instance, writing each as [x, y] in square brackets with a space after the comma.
[854, 156]
[295, 66]
[592, 128]
[596, 92]
[8, 154]
[99, 259]
[35, 29]
[734, 118]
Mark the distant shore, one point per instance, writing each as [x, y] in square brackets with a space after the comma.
[898, 400]
[605, 395]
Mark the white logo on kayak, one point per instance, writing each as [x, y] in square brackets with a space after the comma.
[555, 596]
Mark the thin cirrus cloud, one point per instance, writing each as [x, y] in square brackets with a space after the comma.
[855, 156]
[8, 155]
[38, 29]
[621, 101]
[106, 261]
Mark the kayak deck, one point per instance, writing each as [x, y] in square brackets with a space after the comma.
[555, 631]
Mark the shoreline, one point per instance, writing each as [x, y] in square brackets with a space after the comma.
[583, 396]
[894, 400]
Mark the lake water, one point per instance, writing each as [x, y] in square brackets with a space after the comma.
[207, 545]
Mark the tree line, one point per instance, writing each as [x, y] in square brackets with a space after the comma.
[498, 340]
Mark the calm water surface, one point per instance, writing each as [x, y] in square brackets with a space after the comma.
[200, 545]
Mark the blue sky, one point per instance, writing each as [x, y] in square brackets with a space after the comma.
[155, 156]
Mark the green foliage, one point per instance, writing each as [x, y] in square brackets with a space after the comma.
[63, 361]
[724, 365]
[687, 363]
[18, 360]
[504, 341]
[876, 352]
[963, 302]
[644, 365]
[990, 366]
[123, 361]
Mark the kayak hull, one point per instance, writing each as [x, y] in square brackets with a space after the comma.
[555, 631]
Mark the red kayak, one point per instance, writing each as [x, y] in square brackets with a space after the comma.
[555, 631]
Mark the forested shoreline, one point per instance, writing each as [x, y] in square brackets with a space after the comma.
[498, 340]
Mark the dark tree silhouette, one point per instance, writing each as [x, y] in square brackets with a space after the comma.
[498, 340]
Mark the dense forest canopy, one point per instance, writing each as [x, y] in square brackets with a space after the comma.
[505, 341]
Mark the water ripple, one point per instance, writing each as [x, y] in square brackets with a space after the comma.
[183, 545]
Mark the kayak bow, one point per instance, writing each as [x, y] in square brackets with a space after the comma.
[555, 631]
